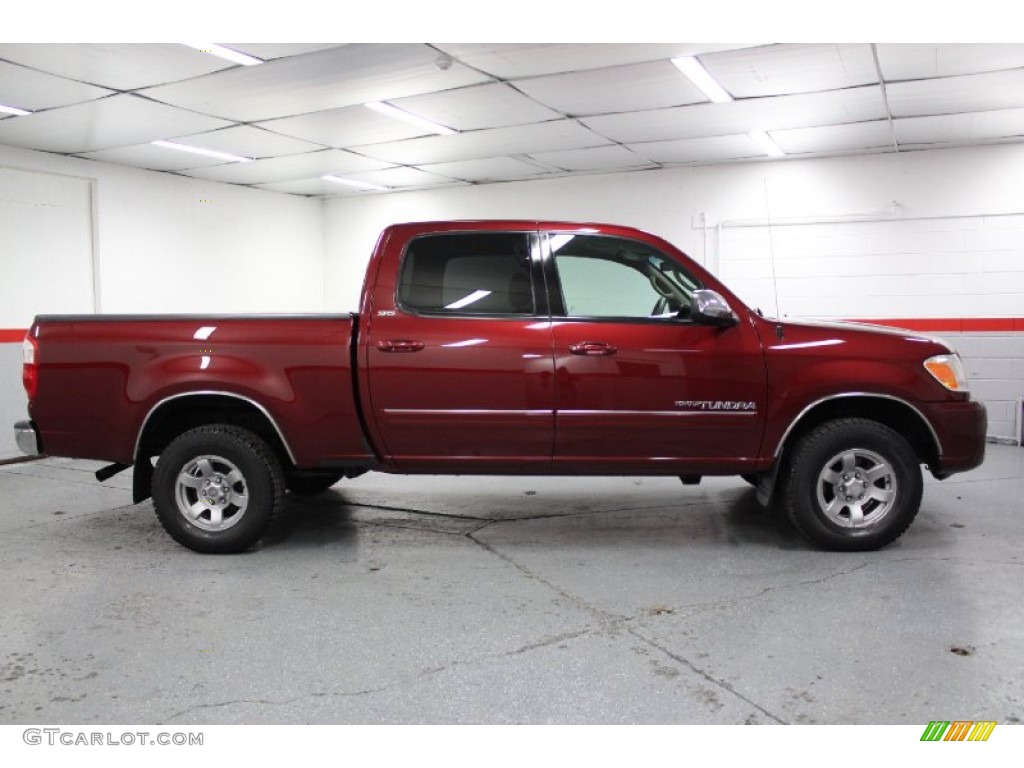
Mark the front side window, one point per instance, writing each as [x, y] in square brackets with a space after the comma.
[618, 278]
[468, 273]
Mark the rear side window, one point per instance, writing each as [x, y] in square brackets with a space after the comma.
[467, 273]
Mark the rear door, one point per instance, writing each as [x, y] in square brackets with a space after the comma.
[639, 386]
[461, 371]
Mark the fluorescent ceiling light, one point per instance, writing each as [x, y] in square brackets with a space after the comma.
[225, 53]
[766, 143]
[700, 77]
[13, 110]
[201, 151]
[401, 114]
[356, 184]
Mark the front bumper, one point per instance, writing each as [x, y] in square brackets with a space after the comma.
[27, 438]
[961, 427]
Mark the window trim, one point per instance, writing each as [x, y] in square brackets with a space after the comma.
[538, 279]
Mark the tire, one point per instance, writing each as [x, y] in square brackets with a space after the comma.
[852, 485]
[751, 479]
[311, 483]
[217, 489]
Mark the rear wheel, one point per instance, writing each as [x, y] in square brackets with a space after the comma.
[852, 485]
[217, 488]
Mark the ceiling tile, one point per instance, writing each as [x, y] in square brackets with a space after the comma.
[315, 187]
[771, 113]
[610, 158]
[916, 61]
[115, 121]
[775, 70]
[105, 64]
[491, 169]
[321, 187]
[512, 60]
[616, 89]
[964, 93]
[337, 77]
[290, 168]
[345, 127]
[482, 106]
[944, 129]
[152, 157]
[247, 141]
[494, 142]
[699, 150]
[400, 177]
[27, 89]
[835, 138]
[267, 51]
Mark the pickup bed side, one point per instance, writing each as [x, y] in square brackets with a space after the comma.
[118, 388]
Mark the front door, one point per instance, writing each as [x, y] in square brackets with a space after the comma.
[640, 387]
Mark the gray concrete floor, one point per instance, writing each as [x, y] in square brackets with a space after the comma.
[509, 600]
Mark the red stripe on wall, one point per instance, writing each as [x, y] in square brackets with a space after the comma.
[953, 324]
[12, 335]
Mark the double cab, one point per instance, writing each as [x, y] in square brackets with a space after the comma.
[501, 347]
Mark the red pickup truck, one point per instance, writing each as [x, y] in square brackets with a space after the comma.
[494, 347]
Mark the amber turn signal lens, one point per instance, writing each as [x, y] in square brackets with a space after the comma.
[948, 371]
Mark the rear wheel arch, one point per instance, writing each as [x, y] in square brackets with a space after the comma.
[177, 414]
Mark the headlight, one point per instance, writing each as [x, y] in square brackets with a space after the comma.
[948, 371]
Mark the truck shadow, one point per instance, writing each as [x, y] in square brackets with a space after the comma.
[308, 523]
[331, 519]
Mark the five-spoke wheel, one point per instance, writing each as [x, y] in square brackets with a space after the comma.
[217, 488]
[851, 484]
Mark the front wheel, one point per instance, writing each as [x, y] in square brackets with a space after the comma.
[217, 488]
[852, 485]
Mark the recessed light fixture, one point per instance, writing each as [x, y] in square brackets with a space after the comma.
[700, 77]
[226, 53]
[766, 143]
[201, 151]
[13, 110]
[401, 114]
[356, 184]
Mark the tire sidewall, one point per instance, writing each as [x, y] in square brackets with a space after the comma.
[811, 455]
[261, 474]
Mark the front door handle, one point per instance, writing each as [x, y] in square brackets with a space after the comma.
[400, 345]
[592, 348]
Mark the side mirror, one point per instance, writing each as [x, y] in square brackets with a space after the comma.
[709, 308]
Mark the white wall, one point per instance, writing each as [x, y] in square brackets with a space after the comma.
[952, 247]
[161, 244]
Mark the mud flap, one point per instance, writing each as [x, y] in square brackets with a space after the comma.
[142, 480]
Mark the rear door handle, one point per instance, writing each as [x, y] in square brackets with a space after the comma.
[592, 348]
[400, 345]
